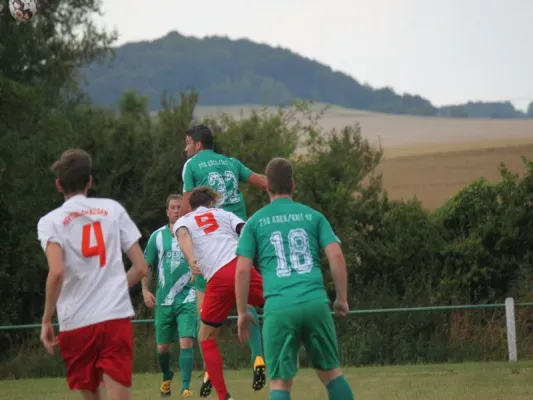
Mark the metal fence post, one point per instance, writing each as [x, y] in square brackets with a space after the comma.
[511, 328]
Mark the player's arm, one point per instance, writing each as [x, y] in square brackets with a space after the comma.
[151, 257]
[337, 264]
[246, 175]
[258, 180]
[246, 252]
[188, 185]
[56, 268]
[129, 241]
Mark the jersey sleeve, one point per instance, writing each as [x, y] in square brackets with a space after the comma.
[47, 232]
[325, 232]
[234, 220]
[180, 223]
[247, 246]
[244, 172]
[129, 233]
[187, 177]
[150, 251]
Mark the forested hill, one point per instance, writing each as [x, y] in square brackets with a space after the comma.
[231, 72]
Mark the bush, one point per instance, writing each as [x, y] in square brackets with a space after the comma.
[474, 249]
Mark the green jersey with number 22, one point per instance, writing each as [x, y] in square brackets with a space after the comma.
[222, 173]
[286, 237]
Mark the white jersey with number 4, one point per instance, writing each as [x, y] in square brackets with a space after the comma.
[93, 233]
[214, 237]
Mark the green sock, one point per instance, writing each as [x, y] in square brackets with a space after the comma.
[186, 362]
[338, 389]
[280, 395]
[255, 335]
[198, 321]
[164, 364]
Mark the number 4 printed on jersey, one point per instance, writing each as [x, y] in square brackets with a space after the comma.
[99, 248]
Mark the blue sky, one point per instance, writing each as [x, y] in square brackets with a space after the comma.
[447, 51]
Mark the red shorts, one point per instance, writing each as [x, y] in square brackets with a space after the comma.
[219, 297]
[91, 351]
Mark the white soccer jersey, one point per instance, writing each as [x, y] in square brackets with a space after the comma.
[213, 235]
[93, 233]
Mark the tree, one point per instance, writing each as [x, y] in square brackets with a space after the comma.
[61, 38]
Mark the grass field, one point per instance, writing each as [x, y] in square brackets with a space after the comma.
[472, 381]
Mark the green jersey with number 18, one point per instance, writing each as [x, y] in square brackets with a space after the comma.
[286, 237]
[221, 173]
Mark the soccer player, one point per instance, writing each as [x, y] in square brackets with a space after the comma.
[211, 234]
[175, 300]
[286, 238]
[83, 241]
[207, 168]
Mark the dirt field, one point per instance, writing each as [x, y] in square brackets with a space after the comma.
[434, 178]
[429, 157]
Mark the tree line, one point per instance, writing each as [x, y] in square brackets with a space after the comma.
[474, 249]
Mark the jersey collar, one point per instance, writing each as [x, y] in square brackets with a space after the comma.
[73, 198]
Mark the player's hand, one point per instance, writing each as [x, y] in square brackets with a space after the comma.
[243, 325]
[48, 337]
[195, 269]
[149, 299]
[341, 307]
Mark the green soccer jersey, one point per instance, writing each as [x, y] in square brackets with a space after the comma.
[222, 173]
[173, 273]
[286, 237]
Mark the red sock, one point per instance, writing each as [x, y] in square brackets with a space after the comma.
[214, 367]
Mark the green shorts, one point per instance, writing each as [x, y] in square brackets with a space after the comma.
[175, 322]
[286, 329]
[200, 283]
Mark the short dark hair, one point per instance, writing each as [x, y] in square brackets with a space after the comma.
[202, 134]
[279, 175]
[203, 196]
[173, 197]
[73, 170]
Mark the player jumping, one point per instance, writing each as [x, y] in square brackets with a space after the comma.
[286, 238]
[207, 168]
[175, 300]
[211, 234]
[83, 241]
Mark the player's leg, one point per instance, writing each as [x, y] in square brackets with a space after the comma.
[255, 298]
[219, 301]
[87, 395]
[200, 285]
[115, 359]
[165, 335]
[282, 338]
[78, 351]
[320, 341]
[186, 321]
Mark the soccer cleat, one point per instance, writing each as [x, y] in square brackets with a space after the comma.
[259, 374]
[186, 393]
[165, 389]
[228, 397]
[207, 386]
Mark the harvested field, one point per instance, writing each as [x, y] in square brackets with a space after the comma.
[428, 157]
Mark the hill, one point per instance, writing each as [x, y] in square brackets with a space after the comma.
[230, 72]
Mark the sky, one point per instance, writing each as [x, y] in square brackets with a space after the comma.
[448, 51]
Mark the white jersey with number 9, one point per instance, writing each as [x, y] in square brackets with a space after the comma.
[92, 233]
[214, 237]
